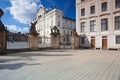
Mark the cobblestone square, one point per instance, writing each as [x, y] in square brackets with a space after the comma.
[61, 65]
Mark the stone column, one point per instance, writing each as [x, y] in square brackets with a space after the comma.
[33, 37]
[3, 33]
[75, 40]
[55, 38]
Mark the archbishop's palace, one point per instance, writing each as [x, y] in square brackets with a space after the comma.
[47, 19]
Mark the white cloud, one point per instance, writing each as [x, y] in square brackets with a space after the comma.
[14, 28]
[24, 11]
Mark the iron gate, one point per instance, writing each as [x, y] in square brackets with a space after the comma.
[65, 42]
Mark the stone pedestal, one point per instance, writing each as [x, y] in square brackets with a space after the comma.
[55, 38]
[3, 42]
[55, 41]
[33, 42]
[75, 40]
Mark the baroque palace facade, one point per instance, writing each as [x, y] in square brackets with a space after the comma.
[98, 23]
[47, 19]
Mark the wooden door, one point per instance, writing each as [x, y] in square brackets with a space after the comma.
[104, 43]
[93, 42]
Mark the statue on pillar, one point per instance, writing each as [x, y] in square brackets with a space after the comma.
[33, 37]
[55, 31]
[3, 36]
[55, 38]
[75, 39]
[1, 24]
[33, 29]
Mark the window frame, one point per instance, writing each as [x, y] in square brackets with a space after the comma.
[92, 9]
[117, 39]
[117, 22]
[104, 6]
[83, 27]
[93, 26]
[82, 0]
[104, 24]
[117, 4]
[83, 12]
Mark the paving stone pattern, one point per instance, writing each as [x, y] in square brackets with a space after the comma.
[61, 65]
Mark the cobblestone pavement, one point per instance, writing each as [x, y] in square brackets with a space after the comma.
[61, 65]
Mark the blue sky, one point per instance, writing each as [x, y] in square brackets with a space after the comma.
[19, 13]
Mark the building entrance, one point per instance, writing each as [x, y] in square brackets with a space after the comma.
[104, 42]
[93, 42]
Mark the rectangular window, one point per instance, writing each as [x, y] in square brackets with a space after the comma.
[64, 32]
[82, 26]
[118, 39]
[117, 3]
[82, 0]
[117, 22]
[92, 9]
[58, 23]
[82, 40]
[64, 39]
[93, 26]
[104, 24]
[104, 6]
[83, 12]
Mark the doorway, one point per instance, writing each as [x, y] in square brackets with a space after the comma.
[104, 42]
[93, 42]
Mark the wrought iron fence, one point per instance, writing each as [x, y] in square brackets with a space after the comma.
[65, 42]
[45, 42]
[17, 40]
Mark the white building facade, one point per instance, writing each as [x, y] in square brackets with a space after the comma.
[47, 19]
[98, 23]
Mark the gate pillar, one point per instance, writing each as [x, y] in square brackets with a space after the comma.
[75, 40]
[3, 33]
[33, 37]
[55, 38]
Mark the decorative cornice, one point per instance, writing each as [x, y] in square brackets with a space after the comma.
[82, 18]
[104, 14]
[83, 2]
[93, 17]
[118, 11]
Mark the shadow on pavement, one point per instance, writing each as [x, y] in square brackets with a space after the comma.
[55, 51]
[15, 65]
[16, 59]
[38, 54]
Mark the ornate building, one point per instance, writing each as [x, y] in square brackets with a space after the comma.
[98, 23]
[47, 19]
